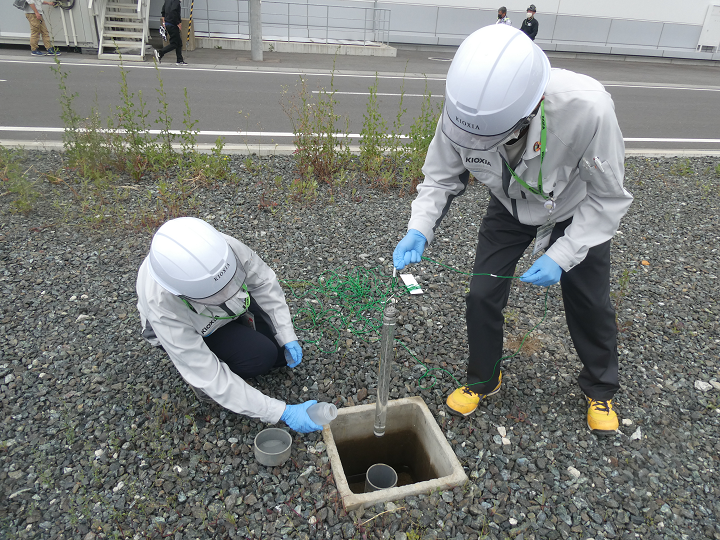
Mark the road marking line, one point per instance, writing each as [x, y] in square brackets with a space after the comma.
[441, 96]
[339, 74]
[645, 139]
[217, 133]
[648, 87]
[289, 149]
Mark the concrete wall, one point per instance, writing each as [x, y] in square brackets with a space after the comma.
[14, 27]
[641, 27]
[665, 28]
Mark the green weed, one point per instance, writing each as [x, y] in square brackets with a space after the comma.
[373, 140]
[16, 181]
[321, 147]
[421, 134]
[682, 168]
[620, 293]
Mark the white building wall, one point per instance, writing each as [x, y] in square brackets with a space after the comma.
[668, 28]
[662, 28]
[677, 11]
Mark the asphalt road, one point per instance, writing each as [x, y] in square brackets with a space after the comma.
[659, 105]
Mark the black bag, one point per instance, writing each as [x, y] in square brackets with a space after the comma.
[20, 4]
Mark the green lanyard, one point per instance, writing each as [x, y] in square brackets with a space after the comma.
[215, 317]
[543, 140]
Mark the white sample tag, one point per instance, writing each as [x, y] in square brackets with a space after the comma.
[542, 238]
[411, 283]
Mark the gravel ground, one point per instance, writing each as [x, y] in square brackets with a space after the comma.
[101, 438]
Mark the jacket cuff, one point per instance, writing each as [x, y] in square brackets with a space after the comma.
[275, 411]
[284, 337]
[564, 257]
[423, 225]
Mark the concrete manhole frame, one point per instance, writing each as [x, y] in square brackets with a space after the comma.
[406, 413]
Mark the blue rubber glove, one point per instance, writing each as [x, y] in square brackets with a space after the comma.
[293, 354]
[544, 272]
[297, 418]
[409, 249]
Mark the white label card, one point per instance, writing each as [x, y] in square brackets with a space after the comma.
[411, 283]
[542, 238]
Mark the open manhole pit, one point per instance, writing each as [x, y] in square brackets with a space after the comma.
[413, 445]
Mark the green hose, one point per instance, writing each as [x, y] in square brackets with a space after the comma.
[353, 303]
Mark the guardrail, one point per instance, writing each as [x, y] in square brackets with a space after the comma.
[284, 21]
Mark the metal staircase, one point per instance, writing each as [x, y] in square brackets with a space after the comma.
[122, 28]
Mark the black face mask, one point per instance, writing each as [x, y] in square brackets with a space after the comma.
[500, 16]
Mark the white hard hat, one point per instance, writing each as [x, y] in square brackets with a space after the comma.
[495, 82]
[189, 258]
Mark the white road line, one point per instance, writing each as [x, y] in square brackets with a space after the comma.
[643, 139]
[266, 134]
[342, 74]
[311, 73]
[440, 96]
[649, 87]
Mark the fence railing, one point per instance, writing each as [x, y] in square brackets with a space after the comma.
[283, 21]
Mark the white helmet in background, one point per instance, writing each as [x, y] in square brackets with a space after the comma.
[189, 258]
[494, 84]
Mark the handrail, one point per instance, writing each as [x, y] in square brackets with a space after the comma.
[311, 21]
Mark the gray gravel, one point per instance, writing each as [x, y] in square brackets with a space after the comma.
[100, 437]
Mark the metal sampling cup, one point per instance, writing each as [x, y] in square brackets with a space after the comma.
[272, 446]
[380, 476]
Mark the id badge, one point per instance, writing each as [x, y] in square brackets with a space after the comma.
[542, 238]
[248, 319]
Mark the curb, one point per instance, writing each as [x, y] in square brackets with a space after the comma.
[288, 149]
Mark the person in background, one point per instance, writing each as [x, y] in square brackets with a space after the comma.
[170, 19]
[34, 15]
[220, 314]
[530, 25]
[547, 144]
[502, 16]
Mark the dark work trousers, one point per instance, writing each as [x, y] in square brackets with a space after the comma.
[175, 42]
[586, 295]
[247, 352]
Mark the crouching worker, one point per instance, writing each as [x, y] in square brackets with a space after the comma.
[219, 312]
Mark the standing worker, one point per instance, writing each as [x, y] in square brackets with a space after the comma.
[218, 311]
[530, 25]
[170, 19]
[547, 144]
[502, 16]
[34, 15]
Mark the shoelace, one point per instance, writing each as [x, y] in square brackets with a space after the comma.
[467, 391]
[601, 405]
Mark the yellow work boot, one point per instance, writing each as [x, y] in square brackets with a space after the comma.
[464, 401]
[601, 418]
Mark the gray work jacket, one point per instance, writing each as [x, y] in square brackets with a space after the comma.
[583, 171]
[180, 331]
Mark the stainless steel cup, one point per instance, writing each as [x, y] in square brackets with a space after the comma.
[380, 476]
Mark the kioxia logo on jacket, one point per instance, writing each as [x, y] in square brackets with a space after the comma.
[207, 327]
[477, 160]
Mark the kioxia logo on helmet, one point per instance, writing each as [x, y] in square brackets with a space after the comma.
[466, 123]
[477, 160]
[222, 272]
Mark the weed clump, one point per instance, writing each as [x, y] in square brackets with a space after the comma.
[99, 160]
